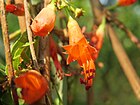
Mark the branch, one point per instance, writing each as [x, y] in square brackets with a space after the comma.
[125, 62]
[28, 21]
[97, 11]
[90, 97]
[7, 51]
[6, 42]
[44, 62]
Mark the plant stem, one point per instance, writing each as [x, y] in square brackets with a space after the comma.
[8, 55]
[90, 97]
[125, 62]
[28, 21]
[6, 42]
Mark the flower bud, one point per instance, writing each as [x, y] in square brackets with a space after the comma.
[44, 22]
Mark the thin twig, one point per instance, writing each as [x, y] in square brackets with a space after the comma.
[7, 51]
[90, 97]
[97, 11]
[6, 42]
[28, 21]
[125, 62]
[44, 62]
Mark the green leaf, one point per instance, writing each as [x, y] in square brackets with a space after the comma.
[16, 58]
[2, 71]
[27, 44]
[19, 43]
[18, 48]
[2, 74]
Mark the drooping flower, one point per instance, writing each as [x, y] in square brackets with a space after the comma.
[33, 85]
[53, 54]
[44, 22]
[126, 2]
[16, 9]
[80, 50]
[97, 38]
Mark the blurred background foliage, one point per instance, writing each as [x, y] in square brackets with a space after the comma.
[111, 86]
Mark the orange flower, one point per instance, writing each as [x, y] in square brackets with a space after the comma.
[44, 22]
[17, 9]
[126, 2]
[79, 49]
[33, 85]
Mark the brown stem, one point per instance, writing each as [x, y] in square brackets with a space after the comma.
[7, 51]
[47, 69]
[132, 37]
[90, 97]
[28, 21]
[125, 62]
[21, 19]
[6, 42]
[44, 63]
[97, 11]
[44, 46]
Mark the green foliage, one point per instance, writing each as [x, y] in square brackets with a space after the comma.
[18, 48]
[5, 98]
